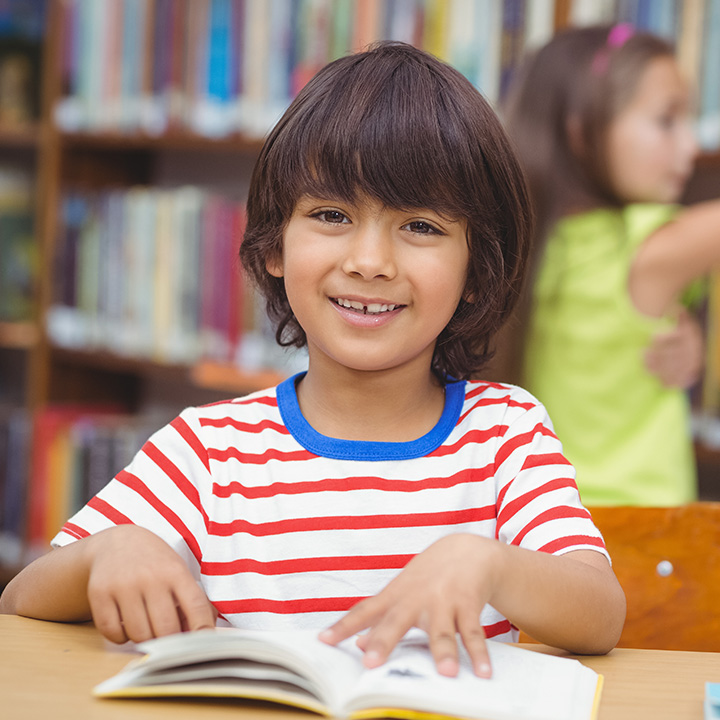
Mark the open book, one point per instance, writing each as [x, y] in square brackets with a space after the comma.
[295, 668]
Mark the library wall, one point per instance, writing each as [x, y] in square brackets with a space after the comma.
[128, 131]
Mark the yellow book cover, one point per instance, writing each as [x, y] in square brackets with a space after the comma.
[295, 668]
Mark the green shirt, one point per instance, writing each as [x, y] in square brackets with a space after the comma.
[627, 435]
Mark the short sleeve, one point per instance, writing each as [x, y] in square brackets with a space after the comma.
[163, 489]
[538, 504]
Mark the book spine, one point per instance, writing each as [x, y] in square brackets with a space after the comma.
[237, 292]
[216, 117]
[688, 50]
[16, 489]
[709, 111]
[513, 23]
[366, 24]
[539, 22]
[665, 19]
[165, 259]
[489, 30]
[435, 34]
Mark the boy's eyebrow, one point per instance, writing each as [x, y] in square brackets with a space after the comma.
[308, 198]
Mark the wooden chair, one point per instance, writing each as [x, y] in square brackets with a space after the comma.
[668, 562]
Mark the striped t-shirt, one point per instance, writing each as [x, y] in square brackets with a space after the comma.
[287, 528]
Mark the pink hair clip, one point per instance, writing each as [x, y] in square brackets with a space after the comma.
[616, 38]
[620, 34]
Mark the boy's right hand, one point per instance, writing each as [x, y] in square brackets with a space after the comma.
[139, 587]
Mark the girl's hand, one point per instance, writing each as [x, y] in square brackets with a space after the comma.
[139, 587]
[443, 591]
[676, 356]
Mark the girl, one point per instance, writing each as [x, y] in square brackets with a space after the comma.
[387, 227]
[601, 119]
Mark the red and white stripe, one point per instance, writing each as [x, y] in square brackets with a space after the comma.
[282, 538]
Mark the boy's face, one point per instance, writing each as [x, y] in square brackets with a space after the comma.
[371, 287]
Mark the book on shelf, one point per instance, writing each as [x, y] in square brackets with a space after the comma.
[178, 297]
[709, 86]
[18, 249]
[75, 450]
[295, 668]
[221, 67]
[15, 440]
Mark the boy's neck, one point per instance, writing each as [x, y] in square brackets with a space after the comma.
[389, 406]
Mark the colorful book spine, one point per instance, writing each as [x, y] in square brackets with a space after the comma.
[172, 300]
[709, 100]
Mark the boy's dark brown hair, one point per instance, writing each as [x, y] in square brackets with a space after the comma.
[397, 125]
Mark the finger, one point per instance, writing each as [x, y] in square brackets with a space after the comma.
[163, 612]
[107, 619]
[475, 642]
[386, 634]
[443, 646]
[134, 617]
[193, 603]
[360, 617]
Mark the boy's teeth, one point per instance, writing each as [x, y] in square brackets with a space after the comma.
[371, 308]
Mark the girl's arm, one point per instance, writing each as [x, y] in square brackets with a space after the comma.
[673, 256]
[131, 583]
[573, 601]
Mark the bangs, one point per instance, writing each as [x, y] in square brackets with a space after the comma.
[397, 126]
[384, 131]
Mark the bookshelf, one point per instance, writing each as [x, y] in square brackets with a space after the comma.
[176, 132]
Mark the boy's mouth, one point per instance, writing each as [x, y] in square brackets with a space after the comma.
[369, 309]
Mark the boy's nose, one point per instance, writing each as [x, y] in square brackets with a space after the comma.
[370, 255]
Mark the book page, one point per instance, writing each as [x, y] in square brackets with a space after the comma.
[233, 657]
[525, 684]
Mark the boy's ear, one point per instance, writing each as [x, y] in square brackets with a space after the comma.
[274, 265]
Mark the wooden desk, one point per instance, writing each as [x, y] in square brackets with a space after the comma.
[47, 671]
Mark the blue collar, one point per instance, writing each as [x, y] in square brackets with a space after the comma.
[337, 449]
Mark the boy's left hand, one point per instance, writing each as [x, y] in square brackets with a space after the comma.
[442, 591]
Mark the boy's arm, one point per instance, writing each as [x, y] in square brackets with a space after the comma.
[571, 601]
[127, 579]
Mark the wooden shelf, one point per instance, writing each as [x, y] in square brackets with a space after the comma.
[106, 360]
[227, 378]
[206, 375]
[176, 140]
[25, 136]
[18, 335]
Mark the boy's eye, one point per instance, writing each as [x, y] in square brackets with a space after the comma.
[334, 217]
[421, 228]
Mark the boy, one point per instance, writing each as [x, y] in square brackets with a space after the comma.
[387, 227]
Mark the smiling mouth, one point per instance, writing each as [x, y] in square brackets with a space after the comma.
[371, 309]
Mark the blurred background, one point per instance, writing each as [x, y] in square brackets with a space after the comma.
[128, 131]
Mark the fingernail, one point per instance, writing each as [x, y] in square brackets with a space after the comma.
[372, 659]
[448, 667]
[326, 635]
[483, 670]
